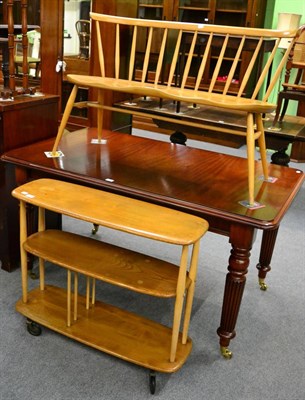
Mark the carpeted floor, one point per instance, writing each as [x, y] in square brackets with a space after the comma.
[268, 352]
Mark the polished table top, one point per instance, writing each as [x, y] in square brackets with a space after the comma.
[187, 178]
[200, 182]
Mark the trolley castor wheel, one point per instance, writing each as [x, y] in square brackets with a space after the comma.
[94, 229]
[152, 382]
[33, 328]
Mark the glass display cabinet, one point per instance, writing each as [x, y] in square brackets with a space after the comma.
[221, 12]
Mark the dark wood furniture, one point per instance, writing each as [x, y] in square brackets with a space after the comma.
[23, 121]
[4, 43]
[52, 25]
[292, 132]
[241, 13]
[196, 181]
[293, 89]
[292, 128]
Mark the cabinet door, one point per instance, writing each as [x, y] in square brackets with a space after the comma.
[51, 22]
[233, 12]
[153, 9]
[157, 10]
[247, 13]
[257, 12]
[193, 10]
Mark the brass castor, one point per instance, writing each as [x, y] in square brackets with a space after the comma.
[226, 353]
[262, 284]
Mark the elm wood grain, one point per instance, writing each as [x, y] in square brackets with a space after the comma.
[93, 258]
[121, 267]
[199, 182]
[146, 342]
[118, 212]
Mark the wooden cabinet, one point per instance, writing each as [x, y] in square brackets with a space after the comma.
[156, 9]
[223, 12]
[23, 121]
[249, 13]
[220, 12]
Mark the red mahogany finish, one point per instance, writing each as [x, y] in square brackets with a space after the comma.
[23, 121]
[200, 182]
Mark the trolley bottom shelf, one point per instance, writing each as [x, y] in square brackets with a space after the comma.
[107, 328]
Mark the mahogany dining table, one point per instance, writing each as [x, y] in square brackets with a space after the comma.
[204, 183]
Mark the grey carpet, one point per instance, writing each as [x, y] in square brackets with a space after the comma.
[268, 352]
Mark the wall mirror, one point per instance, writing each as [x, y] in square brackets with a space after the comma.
[76, 33]
[34, 36]
[76, 48]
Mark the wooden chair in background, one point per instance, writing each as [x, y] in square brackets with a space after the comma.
[33, 58]
[82, 27]
[293, 89]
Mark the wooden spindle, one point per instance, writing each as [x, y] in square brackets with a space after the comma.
[147, 54]
[218, 64]
[234, 65]
[175, 59]
[24, 30]
[87, 292]
[189, 60]
[41, 227]
[132, 53]
[11, 45]
[68, 297]
[75, 295]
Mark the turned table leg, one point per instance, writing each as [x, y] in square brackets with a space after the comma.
[241, 238]
[267, 246]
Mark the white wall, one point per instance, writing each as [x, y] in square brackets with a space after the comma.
[71, 45]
